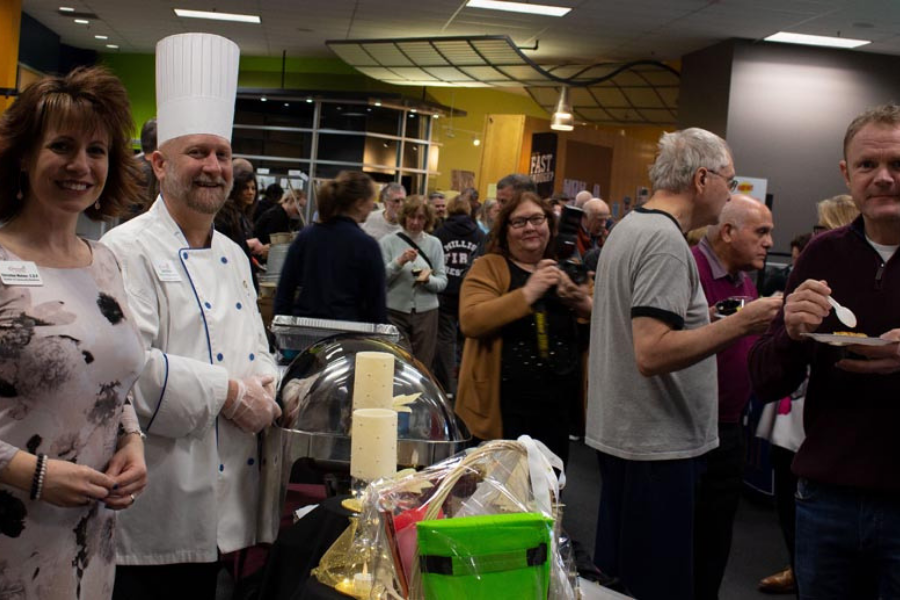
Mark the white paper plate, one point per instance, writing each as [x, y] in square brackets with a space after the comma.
[846, 340]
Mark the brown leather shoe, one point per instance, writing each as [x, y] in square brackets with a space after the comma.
[779, 583]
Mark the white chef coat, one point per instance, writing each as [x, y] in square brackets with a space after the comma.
[197, 314]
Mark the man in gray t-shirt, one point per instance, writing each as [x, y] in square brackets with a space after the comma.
[652, 397]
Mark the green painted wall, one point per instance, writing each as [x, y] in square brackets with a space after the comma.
[331, 74]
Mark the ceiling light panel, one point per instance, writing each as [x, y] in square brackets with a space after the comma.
[216, 16]
[816, 40]
[520, 7]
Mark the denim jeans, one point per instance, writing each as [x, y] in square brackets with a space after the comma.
[848, 543]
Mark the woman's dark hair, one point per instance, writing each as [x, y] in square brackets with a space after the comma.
[338, 196]
[411, 205]
[242, 179]
[499, 236]
[88, 99]
[274, 192]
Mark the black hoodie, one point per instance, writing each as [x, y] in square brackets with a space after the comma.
[460, 237]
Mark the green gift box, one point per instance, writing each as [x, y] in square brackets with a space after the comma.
[488, 556]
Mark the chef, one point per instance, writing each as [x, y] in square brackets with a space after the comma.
[208, 386]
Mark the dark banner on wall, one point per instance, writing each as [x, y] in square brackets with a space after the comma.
[543, 162]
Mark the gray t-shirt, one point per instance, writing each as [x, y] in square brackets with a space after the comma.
[646, 269]
[377, 226]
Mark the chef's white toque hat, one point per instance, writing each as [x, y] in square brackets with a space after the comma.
[196, 85]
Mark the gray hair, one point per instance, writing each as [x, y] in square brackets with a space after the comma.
[681, 153]
[517, 181]
[391, 188]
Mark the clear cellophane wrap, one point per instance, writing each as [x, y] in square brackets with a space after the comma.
[378, 556]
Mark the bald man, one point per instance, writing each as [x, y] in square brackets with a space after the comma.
[241, 165]
[592, 232]
[738, 243]
[581, 198]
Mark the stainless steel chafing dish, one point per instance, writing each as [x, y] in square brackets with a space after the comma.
[321, 432]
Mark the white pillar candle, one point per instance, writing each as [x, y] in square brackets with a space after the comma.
[373, 443]
[373, 386]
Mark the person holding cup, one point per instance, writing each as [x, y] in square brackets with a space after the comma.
[737, 244]
[414, 265]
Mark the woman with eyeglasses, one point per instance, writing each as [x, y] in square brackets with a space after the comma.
[521, 367]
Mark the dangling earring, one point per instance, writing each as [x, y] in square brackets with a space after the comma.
[19, 194]
[97, 205]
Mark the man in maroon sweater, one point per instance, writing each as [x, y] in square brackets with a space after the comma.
[848, 495]
[737, 244]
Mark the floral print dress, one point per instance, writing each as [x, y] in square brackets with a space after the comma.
[69, 355]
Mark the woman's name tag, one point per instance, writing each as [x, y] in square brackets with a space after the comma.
[20, 272]
[165, 271]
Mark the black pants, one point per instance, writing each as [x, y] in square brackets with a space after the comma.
[717, 502]
[645, 525]
[190, 581]
[785, 488]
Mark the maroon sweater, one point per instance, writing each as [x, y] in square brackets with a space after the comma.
[731, 362]
[852, 421]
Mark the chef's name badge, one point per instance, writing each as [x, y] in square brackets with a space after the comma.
[20, 272]
[166, 271]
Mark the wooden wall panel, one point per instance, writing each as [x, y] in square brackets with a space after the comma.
[503, 149]
[633, 151]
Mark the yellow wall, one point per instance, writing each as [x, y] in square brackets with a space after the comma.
[458, 152]
[10, 22]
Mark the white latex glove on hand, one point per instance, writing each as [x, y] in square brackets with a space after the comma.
[254, 407]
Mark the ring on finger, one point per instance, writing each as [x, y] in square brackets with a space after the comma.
[133, 498]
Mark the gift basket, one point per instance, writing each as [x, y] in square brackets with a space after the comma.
[482, 524]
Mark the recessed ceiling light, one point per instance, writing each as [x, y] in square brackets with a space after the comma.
[66, 9]
[816, 40]
[435, 116]
[101, 37]
[216, 16]
[286, 104]
[520, 7]
[112, 46]
[309, 100]
[263, 99]
[377, 103]
[82, 21]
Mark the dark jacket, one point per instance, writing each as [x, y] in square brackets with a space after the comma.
[274, 220]
[851, 420]
[460, 236]
[338, 270]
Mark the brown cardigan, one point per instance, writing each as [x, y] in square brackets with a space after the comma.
[485, 307]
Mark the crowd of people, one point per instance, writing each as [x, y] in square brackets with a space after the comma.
[136, 371]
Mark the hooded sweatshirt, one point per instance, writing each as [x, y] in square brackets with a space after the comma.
[460, 237]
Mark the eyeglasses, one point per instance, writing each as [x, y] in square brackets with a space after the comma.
[536, 220]
[731, 183]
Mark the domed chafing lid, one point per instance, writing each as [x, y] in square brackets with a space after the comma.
[326, 372]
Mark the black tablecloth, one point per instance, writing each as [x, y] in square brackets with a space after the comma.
[298, 550]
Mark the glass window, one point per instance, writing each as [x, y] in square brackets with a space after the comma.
[345, 117]
[275, 112]
[417, 126]
[415, 155]
[272, 142]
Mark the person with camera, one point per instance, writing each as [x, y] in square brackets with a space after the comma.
[521, 365]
